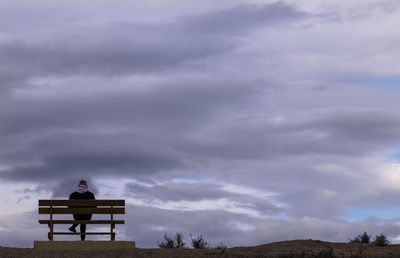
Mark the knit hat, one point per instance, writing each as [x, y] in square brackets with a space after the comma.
[82, 182]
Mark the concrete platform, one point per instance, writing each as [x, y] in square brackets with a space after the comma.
[83, 245]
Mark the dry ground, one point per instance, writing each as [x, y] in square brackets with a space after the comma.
[285, 249]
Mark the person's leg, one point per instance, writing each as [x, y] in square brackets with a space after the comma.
[83, 226]
[83, 230]
[72, 228]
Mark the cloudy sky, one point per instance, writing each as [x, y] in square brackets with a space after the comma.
[246, 121]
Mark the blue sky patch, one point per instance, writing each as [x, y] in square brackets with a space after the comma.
[389, 83]
[354, 214]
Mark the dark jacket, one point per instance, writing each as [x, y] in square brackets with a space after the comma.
[85, 195]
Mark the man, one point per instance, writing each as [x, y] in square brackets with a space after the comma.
[81, 193]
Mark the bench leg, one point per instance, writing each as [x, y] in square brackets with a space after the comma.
[112, 234]
[51, 231]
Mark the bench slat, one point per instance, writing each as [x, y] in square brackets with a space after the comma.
[82, 211]
[82, 221]
[87, 233]
[82, 202]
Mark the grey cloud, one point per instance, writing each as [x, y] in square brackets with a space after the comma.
[10, 80]
[34, 190]
[113, 49]
[241, 18]
[20, 230]
[321, 186]
[111, 57]
[166, 103]
[89, 164]
[177, 191]
[360, 124]
[196, 192]
[71, 154]
[60, 137]
[389, 6]
[342, 131]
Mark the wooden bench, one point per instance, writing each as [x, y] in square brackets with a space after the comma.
[53, 207]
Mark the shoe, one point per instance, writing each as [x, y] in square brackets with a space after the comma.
[72, 229]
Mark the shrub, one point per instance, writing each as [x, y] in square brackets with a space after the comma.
[354, 240]
[221, 246]
[170, 243]
[363, 238]
[199, 242]
[381, 240]
[179, 241]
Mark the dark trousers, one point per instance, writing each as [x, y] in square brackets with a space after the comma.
[83, 226]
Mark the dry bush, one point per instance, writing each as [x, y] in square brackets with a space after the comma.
[199, 242]
[381, 240]
[170, 243]
[221, 246]
[363, 238]
[179, 243]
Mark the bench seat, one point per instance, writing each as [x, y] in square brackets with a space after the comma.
[82, 221]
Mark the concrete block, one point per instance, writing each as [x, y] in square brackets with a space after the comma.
[83, 245]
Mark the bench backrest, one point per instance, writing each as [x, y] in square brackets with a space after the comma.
[82, 206]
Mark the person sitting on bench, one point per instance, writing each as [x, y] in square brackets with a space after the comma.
[81, 193]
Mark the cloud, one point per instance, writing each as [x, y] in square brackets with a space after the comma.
[242, 18]
[196, 192]
[117, 48]
[128, 48]
[21, 229]
[113, 56]
[331, 131]
[78, 161]
[140, 135]
[177, 191]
